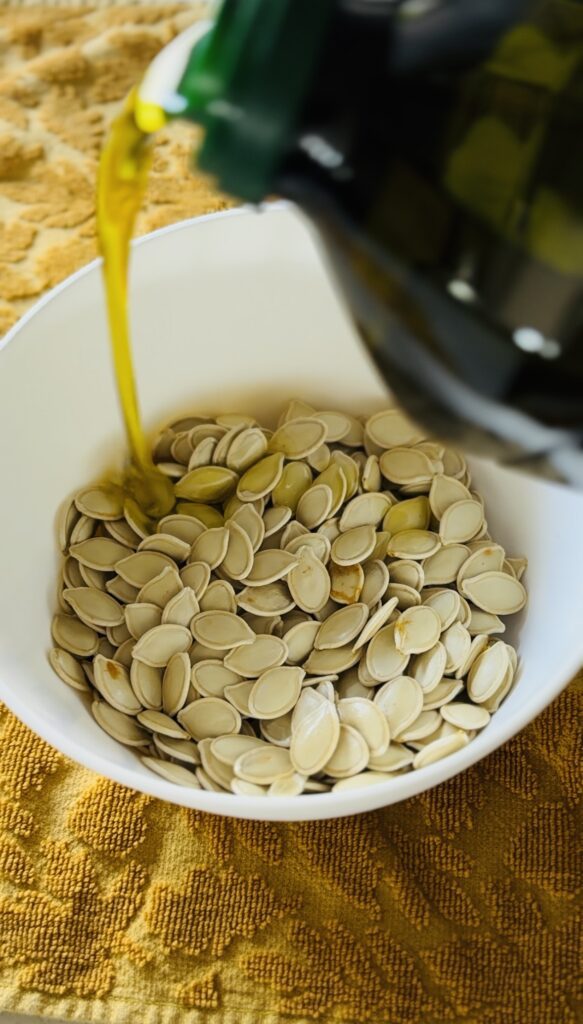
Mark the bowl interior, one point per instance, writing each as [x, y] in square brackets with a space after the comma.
[230, 312]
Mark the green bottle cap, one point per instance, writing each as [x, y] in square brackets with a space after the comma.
[245, 82]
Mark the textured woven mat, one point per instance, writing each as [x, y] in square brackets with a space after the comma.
[458, 906]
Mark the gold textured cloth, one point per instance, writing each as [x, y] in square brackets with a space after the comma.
[459, 906]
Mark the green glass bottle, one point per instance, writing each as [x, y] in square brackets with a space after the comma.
[438, 147]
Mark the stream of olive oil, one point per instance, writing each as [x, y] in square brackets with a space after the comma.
[123, 173]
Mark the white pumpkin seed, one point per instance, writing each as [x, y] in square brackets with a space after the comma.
[496, 593]
[461, 521]
[181, 608]
[246, 449]
[341, 627]
[272, 599]
[331, 661]
[445, 602]
[206, 484]
[94, 607]
[157, 646]
[209, 717]
[276, 692]
[196, 576]
[298, 438]
[185, 528]
[413, 544]
[101, 553]
[444, 565]
[315, 738]
[395, 758]
[112, 680]
[277, 730]
[68, 669]
[338, 424]
[428, 668]
[457, 642]
[172, 772]
[368, 719]
[376, 621]
[221, 630]
[408, 573]
[314, 505]
[238, 695]
[401, 701]
[487, 673]
[120, 727]
[440, 748]
[263, 765]
[346, 583]
[351, 755]
[484, 623]
[142, 617]
[261, 478]
[391, 429]
[406, 597]
[180, 750]
[175, 683]
[371, 474]
[384, 660]
[417, 630]
[74, 636]
[161, 589]
[146, 682]
[466, 716]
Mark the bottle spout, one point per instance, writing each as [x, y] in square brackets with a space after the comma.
[158, 97]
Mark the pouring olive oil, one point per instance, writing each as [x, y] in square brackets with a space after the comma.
[123, 173]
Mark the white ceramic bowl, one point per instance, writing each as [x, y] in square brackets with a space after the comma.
[230, 312]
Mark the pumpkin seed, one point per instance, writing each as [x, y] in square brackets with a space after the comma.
[443, 693]
[487, 672]
[444, 565]
[221, 630]
[395, 758]
[391, 429]
[314, 505]
[365, 510]
[146, 682]
[299, 640]
[238, 695]
[355, 545]
[315, 739]
[350, 470]
[272, 599]
[211, 546]
[384, 661]
[181, 608]
[428, 668]
[196, 576]
[180, 750]
[484, 623]
[206, 484]
[417, 630]
[338, 425]
[461, 521]
[276, 692]
[203, 513]
[401, 701]
[413, 544]
[341, 627]
[101, 553]
[495, 592]
[457, 642]
[142, 566]
[249, 520]
[246, 449]
[263, 765]
[466, 716]
[120, 727]
[185, 528]
[351, 755]
[403, 465]
[361, 781]
[175, 683]
[142, 617]
[74, 636]
[406, 597]
[371, 474]
[269, 566]
[277, 730]
[376, 621]
[331, 661]
[413, 514]
[172, 772]
[446, 603]
[121, 590]
[368, 720]
[209, 717]
[113, 683]
[157, 646]
[446, 491]
[161, 589]
[309, 582]
[252, 660]
[261, 478]
[376, 581]
[68, 669]
[347, 582]
[95, 608]
[298, 438]
[329, 529]
[440, 748]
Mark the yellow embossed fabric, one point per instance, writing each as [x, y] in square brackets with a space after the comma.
[458, 907]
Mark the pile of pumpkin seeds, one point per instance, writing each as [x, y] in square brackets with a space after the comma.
[322, 610]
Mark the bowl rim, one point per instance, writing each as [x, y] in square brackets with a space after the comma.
[300, 808]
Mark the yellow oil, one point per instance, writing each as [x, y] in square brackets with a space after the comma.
[123, 173]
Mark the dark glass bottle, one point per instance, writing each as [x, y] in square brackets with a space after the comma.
[438, 148]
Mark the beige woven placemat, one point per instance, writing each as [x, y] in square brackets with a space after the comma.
[459, 906]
